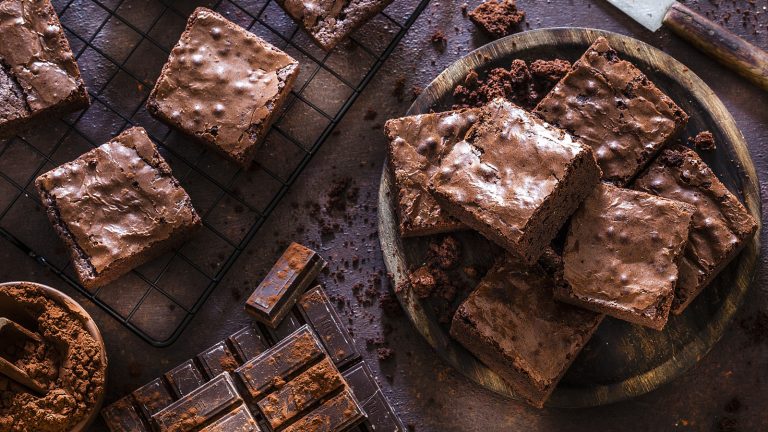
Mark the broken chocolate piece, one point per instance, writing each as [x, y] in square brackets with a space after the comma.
[122, 416]
[199, 407]
[184, 378]
[318, 311]
[301, 393]
[380, 414]
[296, 351]
[288, 278]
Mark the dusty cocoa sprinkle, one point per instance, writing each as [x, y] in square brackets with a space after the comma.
[524, 84]
[497, 18]
[703, 141]
[72, 391]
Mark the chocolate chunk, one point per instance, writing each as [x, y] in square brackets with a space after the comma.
[248, 343]
[288, 278]
[329, 22]
[116, 207]
[237, 420]
[200, 406]
[339, 413]
[321, 315]
[293, 353]
[614, 108]
[512, 323]
[39, 77]
[380, 415]
[621, 254]
[251, 78]
[184, 378]
[515, 178]
[300, 393]
[122, 416]
[152, 397]
[721, 224]
[416, 144]
[217, 359]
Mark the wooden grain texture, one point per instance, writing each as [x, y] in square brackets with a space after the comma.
[621, 360]
[727, 48]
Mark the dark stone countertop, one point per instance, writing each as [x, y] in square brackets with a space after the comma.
[725, 391]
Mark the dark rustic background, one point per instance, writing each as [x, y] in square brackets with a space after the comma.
[726, 391]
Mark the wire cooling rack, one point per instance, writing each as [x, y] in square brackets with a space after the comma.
[121, 46]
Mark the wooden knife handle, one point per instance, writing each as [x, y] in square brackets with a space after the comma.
[727, 48]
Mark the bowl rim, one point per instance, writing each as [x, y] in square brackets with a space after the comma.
[89, 323]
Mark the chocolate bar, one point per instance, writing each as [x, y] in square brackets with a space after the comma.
[184, 378]
[200, 406]
[248, 343]
[297, 350]
[237, 420]
[152, 397]
[318, 311]
[307, 389]
[380, 414]
[217, 359]
[288, 278]
[288, 325]
[337, 414]
[122, 416]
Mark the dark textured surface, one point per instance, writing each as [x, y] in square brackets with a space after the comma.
[727, 387]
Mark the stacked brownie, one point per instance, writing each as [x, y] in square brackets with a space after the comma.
[639, 244]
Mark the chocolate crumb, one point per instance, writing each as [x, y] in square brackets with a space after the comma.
[384, 353]
[497, 18]
[703, 141]
[439, 41]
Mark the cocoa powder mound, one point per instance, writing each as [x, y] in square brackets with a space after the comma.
[68, 363]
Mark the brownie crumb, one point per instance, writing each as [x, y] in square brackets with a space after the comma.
[422, 281]
[524, 84]
[444, 253]
[385, 353]
[703, 141]
[398, 91]
[497, 18]
[439, 41]
[370, 114]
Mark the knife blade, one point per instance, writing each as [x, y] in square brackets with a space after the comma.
[713, 39]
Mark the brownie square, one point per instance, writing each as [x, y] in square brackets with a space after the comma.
[116, 207]
[328, 22]
[612, 106]
[621, 254]
[721, 224]
[512, 324]
[415, 146]
[515, 178]
[39, 77]
[222, 86]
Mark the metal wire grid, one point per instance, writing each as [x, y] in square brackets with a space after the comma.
[121, 46]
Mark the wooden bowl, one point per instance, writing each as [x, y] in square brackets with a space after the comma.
[621, 360]
[90, 325]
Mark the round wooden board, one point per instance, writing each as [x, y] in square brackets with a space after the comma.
[621, 360]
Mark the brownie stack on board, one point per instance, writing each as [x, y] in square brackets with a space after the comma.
[646, 227]
[297, 371]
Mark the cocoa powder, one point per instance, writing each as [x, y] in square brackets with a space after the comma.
[68, 363]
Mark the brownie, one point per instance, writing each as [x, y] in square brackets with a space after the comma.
[39, 77]
[416, 144]
[621, 254]
[515, 178]
[612, 106]
[514, 326]
[497, 18]
[222, 86]
[721, 224]
[328, 22]
[116, 207]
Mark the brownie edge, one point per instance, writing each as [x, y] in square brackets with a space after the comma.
[116, 207]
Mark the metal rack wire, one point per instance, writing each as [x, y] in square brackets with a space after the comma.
[121, 46]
